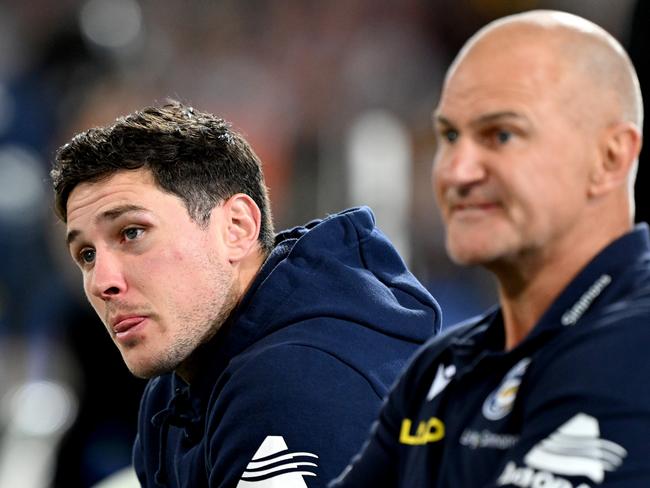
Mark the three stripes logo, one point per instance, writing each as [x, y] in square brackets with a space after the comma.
[274, 466]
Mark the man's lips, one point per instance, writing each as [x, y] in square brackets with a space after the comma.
[123, 323]
[460, 207]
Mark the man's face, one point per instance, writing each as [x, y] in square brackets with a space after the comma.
[511, 168]
[161, 283]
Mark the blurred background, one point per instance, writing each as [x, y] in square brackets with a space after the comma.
[336, 98]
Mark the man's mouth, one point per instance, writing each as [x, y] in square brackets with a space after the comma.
[125, 326]
[473, 207]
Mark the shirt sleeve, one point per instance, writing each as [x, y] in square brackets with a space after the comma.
[586, 418]
[377, 463]
[292, 415]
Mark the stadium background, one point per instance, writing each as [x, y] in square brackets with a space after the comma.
[335, 96]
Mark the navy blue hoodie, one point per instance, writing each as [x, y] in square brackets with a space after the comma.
[298, 372]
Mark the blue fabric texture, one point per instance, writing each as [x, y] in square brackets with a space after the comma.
[568, 407]
[298, 372]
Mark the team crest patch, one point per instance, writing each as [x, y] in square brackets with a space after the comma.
[499, 403]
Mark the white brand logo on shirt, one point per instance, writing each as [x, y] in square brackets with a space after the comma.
[442, 379]
[577, 449]
[526, 477]
[574, 449]
[273, 466]
[572, 315]
[500, 402]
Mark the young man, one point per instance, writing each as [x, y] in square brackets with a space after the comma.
[268, 355]
[539, 128]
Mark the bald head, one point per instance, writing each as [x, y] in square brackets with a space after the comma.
[539, 131]
[583, 51]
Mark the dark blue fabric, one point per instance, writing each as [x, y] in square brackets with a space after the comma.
[568, 407]
[324, 330]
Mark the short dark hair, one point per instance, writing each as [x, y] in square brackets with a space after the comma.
[191, 154]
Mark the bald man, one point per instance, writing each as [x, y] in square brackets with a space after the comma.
[539, 127]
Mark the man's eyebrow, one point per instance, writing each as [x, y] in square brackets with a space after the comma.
[72, 236]
[481, 120]
[116, 212]
[441, 120]
[496, 116]
[110, 214]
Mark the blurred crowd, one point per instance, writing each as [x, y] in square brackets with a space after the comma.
[335, 97]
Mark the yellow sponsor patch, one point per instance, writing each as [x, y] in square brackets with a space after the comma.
[431, 430]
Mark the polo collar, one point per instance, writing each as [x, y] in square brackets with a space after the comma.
[596, 285]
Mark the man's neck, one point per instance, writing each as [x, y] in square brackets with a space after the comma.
[529, 285]
[248, 270]
[246, 273]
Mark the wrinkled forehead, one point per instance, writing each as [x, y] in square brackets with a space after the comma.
[500, 73]
[540, 29]
[511, 52]
[563, 57]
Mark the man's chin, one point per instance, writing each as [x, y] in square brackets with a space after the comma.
[467, 257]
[478, 251]
[146, 369]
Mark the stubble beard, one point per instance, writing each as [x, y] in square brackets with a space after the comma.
[179, 354]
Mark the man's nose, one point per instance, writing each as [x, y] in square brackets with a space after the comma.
[460, 164]
[107, 278]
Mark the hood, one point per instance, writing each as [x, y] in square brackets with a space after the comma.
[342, 266]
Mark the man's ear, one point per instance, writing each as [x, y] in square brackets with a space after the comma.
[242, 226]
[619, 149]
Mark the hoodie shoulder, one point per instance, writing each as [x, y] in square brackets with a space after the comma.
[345, 266]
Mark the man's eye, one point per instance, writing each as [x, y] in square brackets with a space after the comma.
[132, 233]
[87, 256]
[503, 136]
[450, 135]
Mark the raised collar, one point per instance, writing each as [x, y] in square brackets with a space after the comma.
[596, 285]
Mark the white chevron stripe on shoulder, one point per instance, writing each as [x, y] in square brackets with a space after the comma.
[273, 466]
[261, 464]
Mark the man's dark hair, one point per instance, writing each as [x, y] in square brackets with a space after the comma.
[193, 155]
